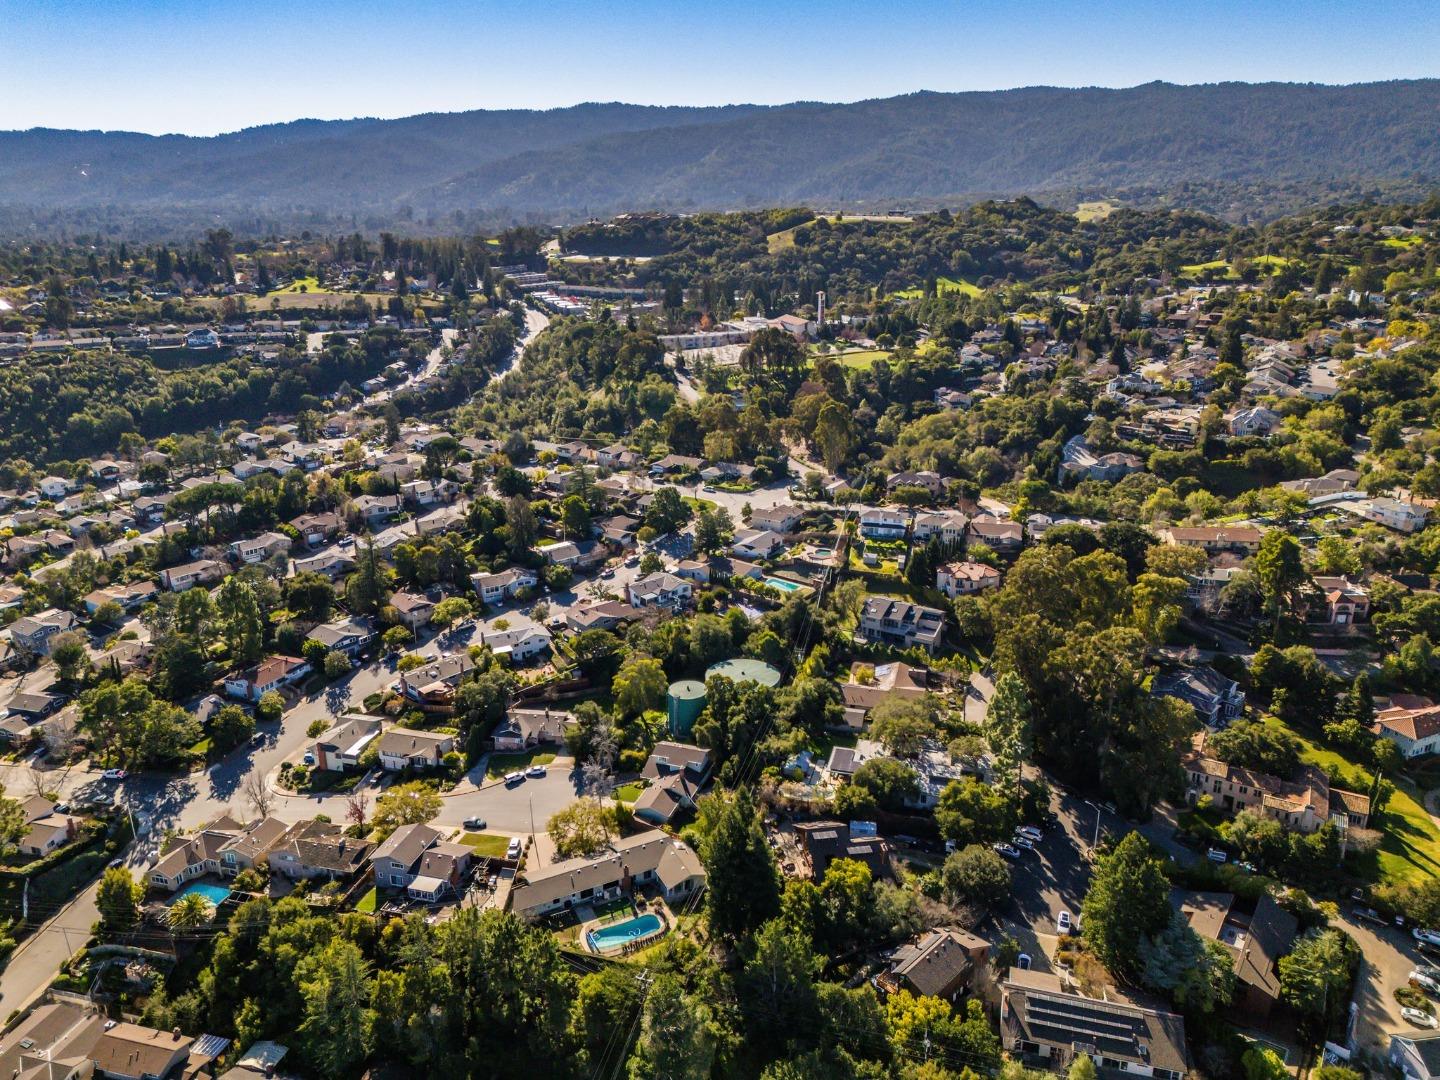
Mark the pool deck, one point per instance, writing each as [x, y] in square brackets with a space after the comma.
[589, 921]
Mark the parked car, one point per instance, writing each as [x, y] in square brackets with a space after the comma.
[1429, 937]
[1023, 842]
[536, 771]
[1063, 923]
[1009, 851]
[474, 823]
[511, 779]
[1370, 915]
[1425, 981]
[1215, 855]
[1031, 831]
[309, 758]
[1023, 961]
[62, 808]
[114, 774]
[514, 849]
[1419, 1018]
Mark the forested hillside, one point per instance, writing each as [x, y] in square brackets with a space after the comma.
[1227, 148]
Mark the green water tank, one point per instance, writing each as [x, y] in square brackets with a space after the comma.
[683, 703]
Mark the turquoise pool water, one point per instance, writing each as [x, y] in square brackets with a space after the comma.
[783, 585]
[216, 894]
[622, 933]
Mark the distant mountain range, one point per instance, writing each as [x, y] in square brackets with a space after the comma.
[918, 150]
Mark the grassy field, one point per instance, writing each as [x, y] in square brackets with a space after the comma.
[1098, 210]
[1402, 241]
[308, 285]
[500, 764]
[486, 845]
[859, 359]
[942, 285]
[1272, 263]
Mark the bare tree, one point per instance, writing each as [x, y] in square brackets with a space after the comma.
[357, 806]
[257, 793]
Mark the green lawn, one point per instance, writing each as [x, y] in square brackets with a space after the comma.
[1402, 241]
[942, 285]
[500, 764]
[859, 359]
[486, 845]
[628, 793]
[312, 287]
[367, 904]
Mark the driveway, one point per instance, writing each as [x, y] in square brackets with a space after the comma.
[1389, 954]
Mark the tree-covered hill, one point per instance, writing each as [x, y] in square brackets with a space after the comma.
[916, 150]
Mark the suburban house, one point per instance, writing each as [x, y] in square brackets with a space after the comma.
[1406, 517]
[348, 636]
[1045, 1024]
[441, 872]
[397, 861]
[272, 673]
[499, 587]
[946, 526]
[901, 623]
[757, 544]
[378, 509]
[518, 642]
[868, 687]
[412, 609]
[928, 479]
[259, 548]
[185, 858]
[315, 529]
[202, 572]
[331, 564]
[129, 597]
[1412, 725]
[781, 519]
[403, 748]
[822, 842]
[880, 523]
[1303, 805]
[127, 1051]
[318, 849]
[524, 728]
[1214, 539]
[601, 615]
[660, 590]
[645, 859]
[1005, 537]
[942, 963]
[676, 772]
[1256, 420]
[1216, 698]
[45, 830]
[33, 634]
[1416, 1054]
[966, 578]
[1337, 601]
[339, 748]
[1255, 942]
[435, 683]
[1080, 462]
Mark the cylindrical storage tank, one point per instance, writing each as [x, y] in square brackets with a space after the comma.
[683, 704]
[744, 669]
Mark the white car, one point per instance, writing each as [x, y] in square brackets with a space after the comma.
[114, 774]
[513, 851]
[1062, 922]
[1430, 937]
[1009, 851]
[1424, 981]
[535, 771]
[1023, 842]
[1030, 831]
[1419, 1018]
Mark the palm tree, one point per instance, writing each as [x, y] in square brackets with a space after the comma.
[190, 912]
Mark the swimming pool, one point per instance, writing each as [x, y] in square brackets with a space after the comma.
[216, 894]
[604, 938]
[822, 553]
[783, 585]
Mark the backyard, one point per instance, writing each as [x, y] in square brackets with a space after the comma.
[486, 845]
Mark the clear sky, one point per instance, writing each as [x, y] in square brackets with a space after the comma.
[204, 66]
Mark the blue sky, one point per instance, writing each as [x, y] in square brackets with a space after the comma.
[204, 66]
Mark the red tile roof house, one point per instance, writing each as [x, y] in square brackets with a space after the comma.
[272, 673]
